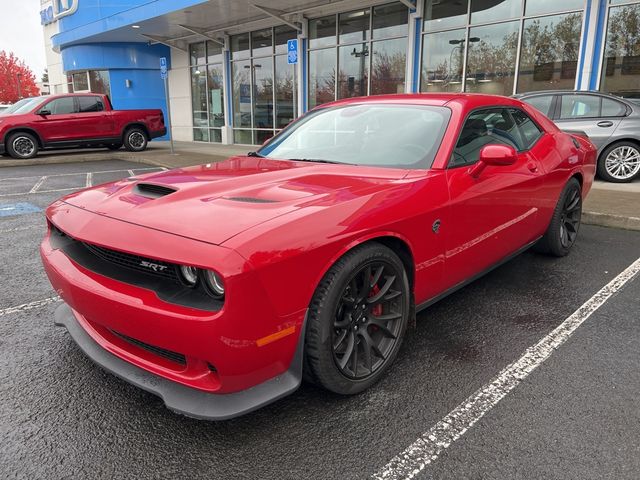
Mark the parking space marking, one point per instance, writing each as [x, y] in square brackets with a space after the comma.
[434, 441]
[131, 174]
[88, 183]
[29, 306]
[35, 188]
[80, 173]
[20, 229]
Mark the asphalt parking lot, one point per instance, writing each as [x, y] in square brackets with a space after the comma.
[576, 416]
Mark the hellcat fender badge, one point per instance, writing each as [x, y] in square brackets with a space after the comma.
[436, 226]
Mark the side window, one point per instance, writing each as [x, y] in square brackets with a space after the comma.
[90, 104]
[611, 108]
[541, 102]
[529, 131]
[61, 106]
[491, 126]
[579, 106]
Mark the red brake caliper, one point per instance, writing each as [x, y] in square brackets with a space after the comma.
[377, 310]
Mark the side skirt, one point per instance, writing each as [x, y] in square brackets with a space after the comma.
[457, 287]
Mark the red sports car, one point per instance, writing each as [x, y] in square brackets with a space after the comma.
[220, 287]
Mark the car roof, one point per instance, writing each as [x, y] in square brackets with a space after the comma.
[566, 92]
[432, 99]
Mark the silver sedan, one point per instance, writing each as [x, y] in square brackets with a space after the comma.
[612, 123]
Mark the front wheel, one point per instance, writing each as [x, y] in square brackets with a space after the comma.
[357, 320]
[565, 222]
[135, 140]
[620, 162]
[22, 145]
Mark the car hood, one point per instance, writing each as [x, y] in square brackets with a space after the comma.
[217, 201]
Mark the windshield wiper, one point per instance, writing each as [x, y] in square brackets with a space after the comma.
[319, 160]
[254, 154]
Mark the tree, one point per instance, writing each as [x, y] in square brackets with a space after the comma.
[16, 79]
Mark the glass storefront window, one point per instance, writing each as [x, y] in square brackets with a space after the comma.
[352, 76]
[197, 53]
[483, 11]
[388, 66]
[354, 26]
[390, 21]
[214, 52]
[80, 82]
[215, 92]
[322, 76]
[283, 34]
[442, 59]
[549, 55]
[240, 46]
[439, 15]
[99, 81]
[322, 32]
[540, 7]
[263, 93]
[243, 137]
[491, 59]
[200, 134]
[242, 93]
[199, 96]
[261, 43]
[621, 64]
[285, 92]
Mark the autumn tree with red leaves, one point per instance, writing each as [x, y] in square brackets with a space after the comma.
[16, 79]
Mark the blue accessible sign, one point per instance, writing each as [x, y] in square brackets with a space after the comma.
[163, 67]
[292, 52]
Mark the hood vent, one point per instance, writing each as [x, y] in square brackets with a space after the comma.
[251, 200]
[151, 190]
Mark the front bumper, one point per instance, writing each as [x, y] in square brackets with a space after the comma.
[179, 398]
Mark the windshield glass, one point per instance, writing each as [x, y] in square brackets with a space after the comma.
[398, 136]
[23, 106]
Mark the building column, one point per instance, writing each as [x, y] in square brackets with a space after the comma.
[301, 68]
[414, 42]
[227, 130]
[591, 44]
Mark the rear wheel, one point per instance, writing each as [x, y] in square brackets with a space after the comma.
[357, 320]
[620, 162]
[565, 223]
[135, 140]
[22, 145]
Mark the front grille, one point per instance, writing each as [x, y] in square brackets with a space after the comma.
[161, 352]
[151, 190]
[141, 264]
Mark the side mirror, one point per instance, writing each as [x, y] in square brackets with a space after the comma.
[44, 112]
[495, 155]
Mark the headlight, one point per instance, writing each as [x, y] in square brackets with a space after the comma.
[189, 275]
[213, 283]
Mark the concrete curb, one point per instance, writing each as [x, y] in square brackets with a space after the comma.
[90, 157]
[612, 221]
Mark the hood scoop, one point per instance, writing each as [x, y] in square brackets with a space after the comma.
[151, 190]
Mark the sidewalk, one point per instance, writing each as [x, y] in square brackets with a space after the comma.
[608, 204]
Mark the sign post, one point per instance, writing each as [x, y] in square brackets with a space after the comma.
[165, 76]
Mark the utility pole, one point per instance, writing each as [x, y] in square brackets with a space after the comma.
[18, 75]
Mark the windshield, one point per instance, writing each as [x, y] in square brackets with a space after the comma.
[23, 106]
[397, 136]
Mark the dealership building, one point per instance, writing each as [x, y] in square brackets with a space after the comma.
[240, 70]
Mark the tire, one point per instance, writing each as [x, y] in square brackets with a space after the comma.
[135, 140]
[114, 146]
[620, 162]
[354, 331]
[22, 145]
[565, 222]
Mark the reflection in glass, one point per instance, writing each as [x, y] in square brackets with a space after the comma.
[442, 57]
[285, 92]
[243, 137]
[240, 46]
[322, 76]
[196, 53]
[263, 93]
[491, 60]
[199, 96]
[352, 77]
[214, 52]
[215, 135]
[390, 20]
[322, 31]
[99, 81]
[492, 10]
[621, 66]
[538, 7]
[549, 56]
[284, 33]
[200, 135]
[439, 15]
[261, 42]
[388, 66]
[215, 89]
[241, 93]
[262, 136]
[354, 26]
[80, 81]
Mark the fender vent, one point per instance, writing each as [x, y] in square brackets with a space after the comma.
[151, 190]
[251, 200]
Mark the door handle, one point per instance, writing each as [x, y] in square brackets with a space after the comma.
[605, 123]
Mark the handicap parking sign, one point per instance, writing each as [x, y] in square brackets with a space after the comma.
[292, 51]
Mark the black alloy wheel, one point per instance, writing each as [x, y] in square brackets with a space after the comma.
[357, 320]
[565, 222]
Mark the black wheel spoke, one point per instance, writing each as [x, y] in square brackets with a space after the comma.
[383, 328]
[340, 339]
[366, 343]
[348, 351]
[383, 291]
[364, 290]
[376, 276]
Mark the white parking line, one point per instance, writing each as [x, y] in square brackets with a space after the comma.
[131, 174]
[80, 173]
[39, 191]
[434, 441]
[89, 180]
[37, 185]
[29, 306]
[21, 229]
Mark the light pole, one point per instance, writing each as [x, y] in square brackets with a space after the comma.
[18, 76]
[459, 44]
[362, 55]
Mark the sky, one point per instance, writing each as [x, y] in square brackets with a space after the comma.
[21, 33]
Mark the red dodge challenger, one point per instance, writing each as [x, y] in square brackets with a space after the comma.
[220, 287]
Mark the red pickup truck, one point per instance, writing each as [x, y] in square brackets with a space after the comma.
[75, 120]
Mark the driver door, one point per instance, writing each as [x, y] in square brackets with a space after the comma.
[493, 215]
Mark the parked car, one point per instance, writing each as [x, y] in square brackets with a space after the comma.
[612, 124]
[4, 107]
[218, 287]
[75, 120]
